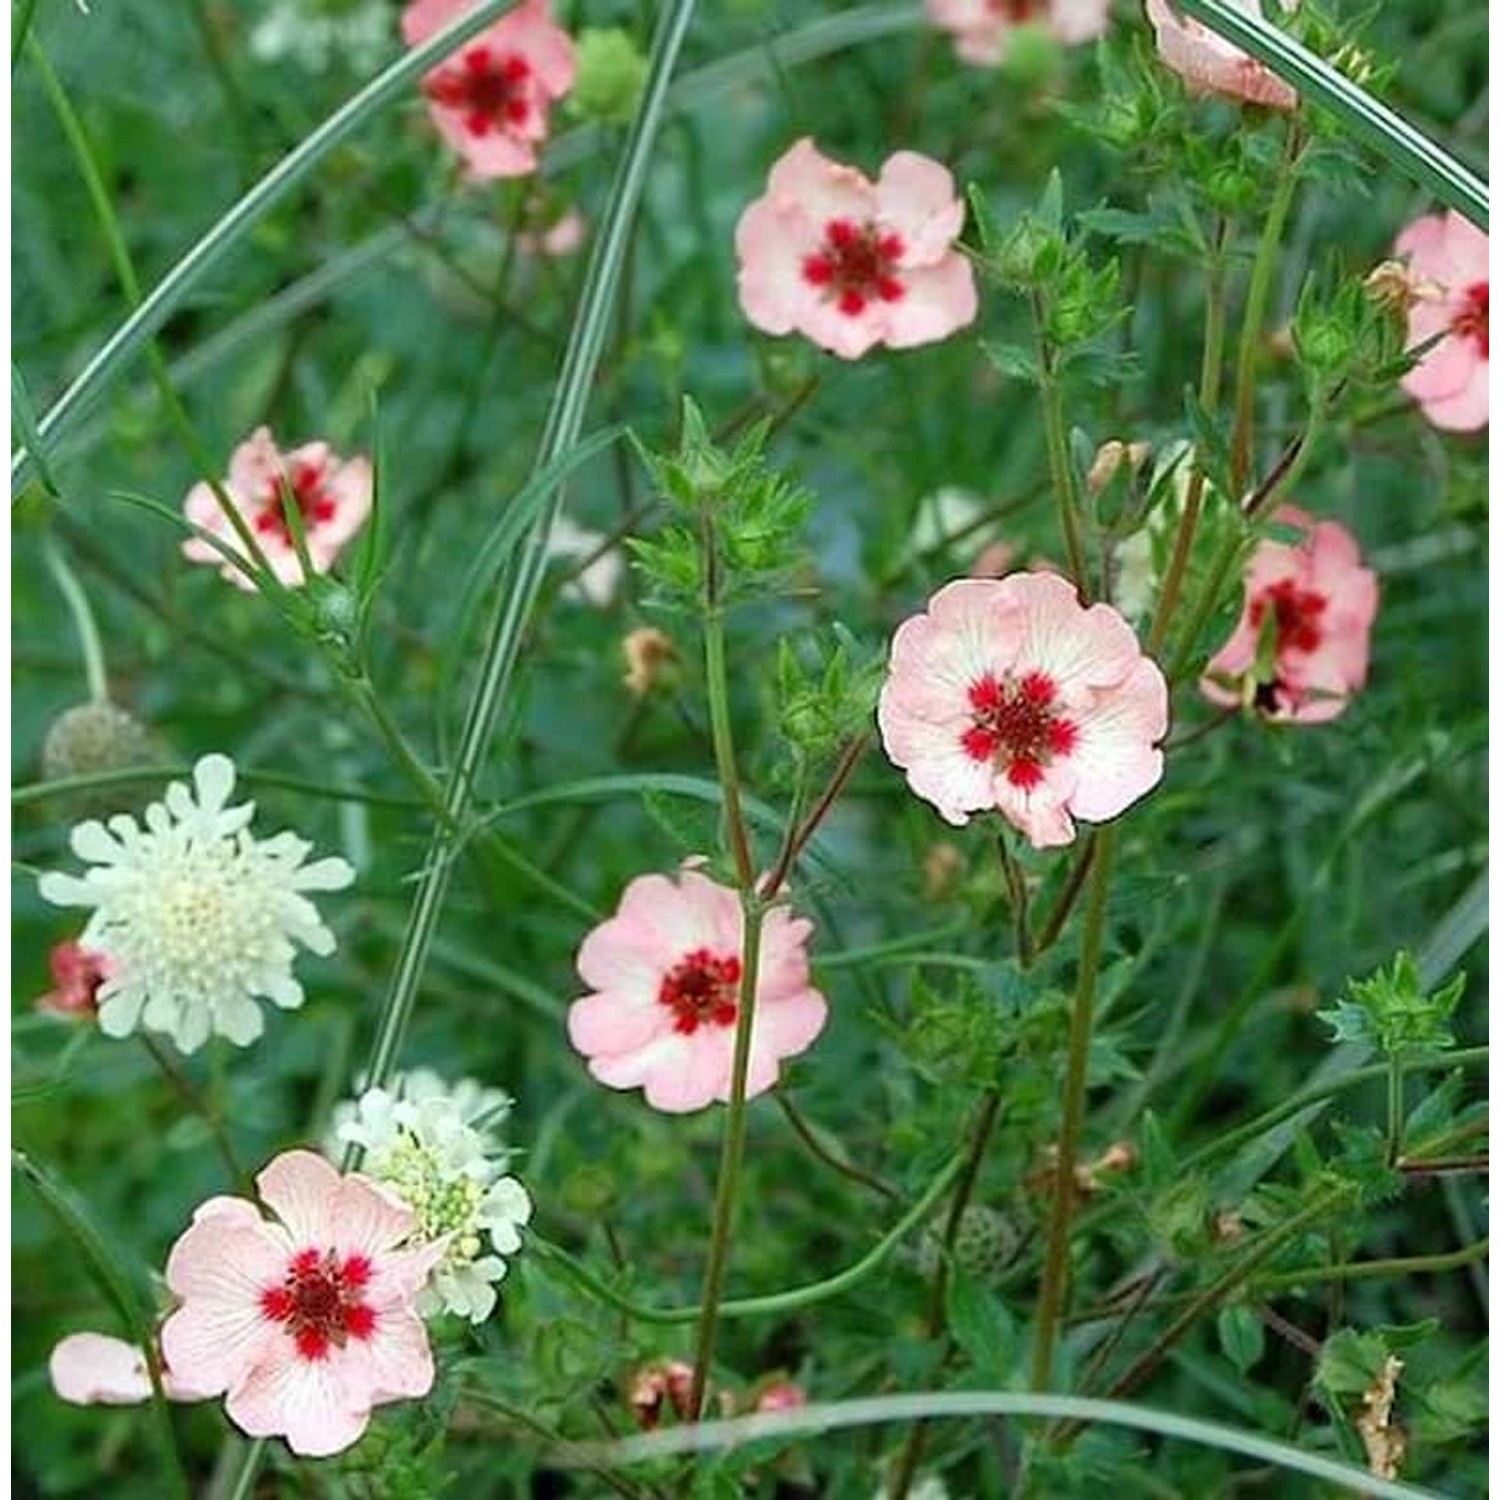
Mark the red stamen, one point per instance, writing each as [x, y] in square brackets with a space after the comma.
[490, 93]
[702, 989]
[1015, 726]
[857, 264]
[321, 1301]
[1473, 320]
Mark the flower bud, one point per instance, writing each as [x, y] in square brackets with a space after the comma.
[648, 652]
[611, 76]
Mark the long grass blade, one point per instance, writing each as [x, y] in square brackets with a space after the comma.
[233, 226]
[826, 1417]
[1364, 116]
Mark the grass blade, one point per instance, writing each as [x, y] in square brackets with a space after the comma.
[1362, 115]
[869, 1411]
[232, 227]
[564, 422]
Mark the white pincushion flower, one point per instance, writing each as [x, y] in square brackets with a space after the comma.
[448, 1171]
[195, 917]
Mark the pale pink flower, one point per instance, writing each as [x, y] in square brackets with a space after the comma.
[850, 263]
[306, 1322]
[77, 973]
[92, 1369]
[332, 496]
[665, 974]
[491, 99]
[1320, 603]
[1451, 259]
[1008, 694]
[1210, 65]
[780, 1395]
[982, 29]
[561, 238]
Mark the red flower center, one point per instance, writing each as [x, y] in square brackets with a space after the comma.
[489, 91]
[702, 989]
[1472, 321]
[1297, 612]
[856, 265]
[1015, 725]
[321, 1301]
[1017, 11]
[310, 495]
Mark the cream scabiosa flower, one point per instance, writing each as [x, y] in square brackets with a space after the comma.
[195, 918]
[440, 1160]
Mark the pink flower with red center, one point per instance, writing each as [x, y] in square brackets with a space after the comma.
[77, 973]
[305, 1323]
[332, 496]
[1451, 259]
[666, 973]
[1208, 64]
[850, 263]
[491, 100]
[1318, 603]
[1008, 694]
[982, 29]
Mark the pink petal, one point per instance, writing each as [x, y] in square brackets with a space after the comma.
[366, 1218]
[302, 1190]
[1116, 759]
[937, 301]
[90, 1369]
[822, 189]
[917, 198]
[611, 1023]
[304, 1401]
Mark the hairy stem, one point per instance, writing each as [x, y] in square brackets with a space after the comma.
[1080, 1033]
[1063, 486]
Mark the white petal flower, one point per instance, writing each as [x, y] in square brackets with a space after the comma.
[598, 582]
[196, 918]
[435, 1148]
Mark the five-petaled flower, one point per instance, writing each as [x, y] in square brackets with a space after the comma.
[332, 495]
[665, 976]
[77, 973]
[1451, 260]
[491, 100]
[850, 263]
[1008, 694]
[194, 918]
[307, 1322]
[982, 29]
[1314, 604]
[1208, 64]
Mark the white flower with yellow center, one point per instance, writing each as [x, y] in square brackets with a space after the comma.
[449, 1172]
[195, 918]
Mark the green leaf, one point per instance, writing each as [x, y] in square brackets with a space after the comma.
[1242, 1336]
[979, 1321]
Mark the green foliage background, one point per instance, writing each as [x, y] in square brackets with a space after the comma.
[1266, 870]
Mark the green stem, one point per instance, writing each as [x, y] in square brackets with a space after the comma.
[1209, 381]
[1362, 1270]
[195, 1102]
[83, 621]
[1061, 466]
[809, 1137]
[719, 720]
[792, 1300]
[937, 1303]
[731, 1157]
[1080, 1031]
[1256, 300]
[1395, 1110]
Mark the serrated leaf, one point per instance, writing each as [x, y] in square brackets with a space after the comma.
[1242, 1337]
[979, 1321]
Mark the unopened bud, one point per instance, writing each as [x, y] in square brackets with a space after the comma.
[1394, 286]
[1108, 459]
[647, 651]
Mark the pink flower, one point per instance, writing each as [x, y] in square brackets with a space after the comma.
[1453, 379]
[490, 100]
[306, 1322]
[1210, 65]
[77, 973]
[332, 495]
[1008, 694]
[665, 976]
[91, 1369]
[561, 238]
[1320, 604]
[850, 263]
[781, 1395]
[982, 28]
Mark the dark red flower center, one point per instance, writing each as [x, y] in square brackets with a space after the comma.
[702, 989]
[856, 265]
[1017, 11]
[1298, 614]
[310, 495]
[1016, 725]
[321, 1301]
[489, 91]
[1472, 320]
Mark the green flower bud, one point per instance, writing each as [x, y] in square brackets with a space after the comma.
[611, 76]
